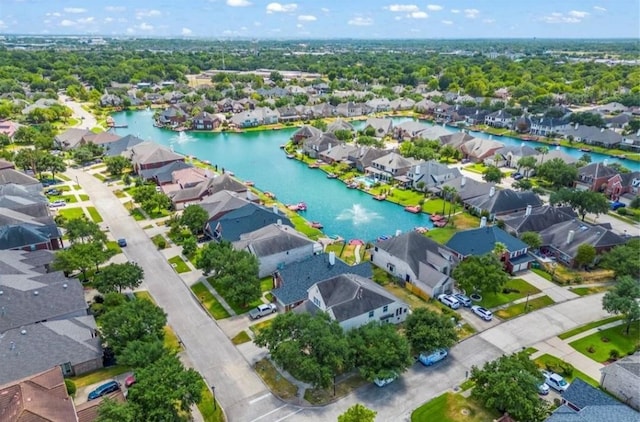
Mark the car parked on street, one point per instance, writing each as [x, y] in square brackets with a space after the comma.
[53, 192]
[543, 389]
[262, 310]
[555, 381]
[58, 203]
[463, 299]
[381, 382]
[122, 242]
[433, 357]
[449, 300]
[616, 204]
[483, 313]
[104, 389]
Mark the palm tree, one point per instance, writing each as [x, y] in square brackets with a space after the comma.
[448, 192]
[543, 151]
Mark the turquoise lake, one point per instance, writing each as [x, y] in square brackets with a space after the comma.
[256, 156]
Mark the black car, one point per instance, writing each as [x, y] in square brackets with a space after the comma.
[122, 242]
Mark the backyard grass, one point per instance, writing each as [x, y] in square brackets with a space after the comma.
[237, 308]
[451, 407]
[518, 309]
[518, 289]
[553, 363]
[584, 291]
[95, 215]
[476, 168]
[113, 245]
[302, 225]
[381, 277]
[84, 197]
[435, 206]
[209, 301]
[542, 273]
[210, 412]
[405, 197]
[99, 375]
[346, 252]
[588, 327]
[241, 337]
[266, 284]
[71, 213]
[598, 346]
[278, 384]
[179, 265]
[321, 396]
[460, 221]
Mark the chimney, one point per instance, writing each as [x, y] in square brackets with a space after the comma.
[279, 222]
[398, 232]
[601, 129]
[483, 222]
[576, 126]
[570, 236]
[492, 191]
[463, 181]
[275, 209]
[332, 258]
[605, 162]
[528, 212]
[417, 169]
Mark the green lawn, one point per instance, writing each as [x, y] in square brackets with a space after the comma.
[71, 213]
[179, 265]
[241, 337]
[209, 301]
[583, 291]
[542, 273]
[120, 194]
[491, 300]
[62, 177]
[113, 245]
[266, 284]
[279, 385]
[518, 309]
[451, 407]
[435, 205]
[84, 197]
[598, 346]
[159, 241]
[555, 364]
[95, 215]
[70, 199]
[461, 221]
[99, 375]
[137, 214]
[237, 308]
[211, 412]
[588, 327]
[100, 177]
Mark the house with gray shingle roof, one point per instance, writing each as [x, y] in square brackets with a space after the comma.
[337, 153]
[478, 149]
[409, 130]
[71, 138]
[364, 156]
[120, 145]
[431, 173]
[416, 259]
[503, 201]
[316, 144]
[340, 124]
[379, 104]
[163, 175]
[275, 246]
[354, 301]
[305, 132]
[244, 219]
[593, 135]
[291, 283]
[381, 126]
[536, 219]
[465, 187]
[510, 155]
[149, 155]
[594, 176]
[391, 166]
[621, 378]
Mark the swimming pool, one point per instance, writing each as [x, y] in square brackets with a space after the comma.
[365, 180]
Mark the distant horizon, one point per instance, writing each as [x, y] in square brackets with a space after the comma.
[325, 19]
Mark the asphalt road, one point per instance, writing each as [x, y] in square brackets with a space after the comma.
[86, 119]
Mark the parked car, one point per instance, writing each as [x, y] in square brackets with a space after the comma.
[430, 359]
[543, 389]
[450, 301]
[130, 380]
[122, 242]
[617, 204]
[483, 313]
[48, 182]
[463, 299]
[381, 382]
[58, 203]
[53, 192]
[555, 381]
[517, 175]
[262, 310]
[104, 389]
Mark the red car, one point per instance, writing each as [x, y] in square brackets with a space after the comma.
[130, 380]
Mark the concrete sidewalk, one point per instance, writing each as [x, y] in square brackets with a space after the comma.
[561, 349]
[555, 292]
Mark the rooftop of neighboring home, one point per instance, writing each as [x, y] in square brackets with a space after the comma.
[596, 171]
[295, 279]
[381, 126]
[567, 236]
[307, 131]
[101, 138]
[272, 239]
[467, 188]
[150, 152]
[538, 218]
[13, 176]
[18, 229]
[248, 218]
[517, 150]
[119, 146]
[482, 240]
[555, 153]
[164, 174]
[504, 201]
[220, 203]
[593, 134]
[340, 124]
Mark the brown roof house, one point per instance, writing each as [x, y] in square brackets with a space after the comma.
[390, 167]
[149, 155]
[209, 186]
[594, 176]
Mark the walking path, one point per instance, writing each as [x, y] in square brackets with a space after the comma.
[555, 292]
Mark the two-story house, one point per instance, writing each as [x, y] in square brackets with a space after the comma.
[392, 166]
[500, 118]
[594, 176]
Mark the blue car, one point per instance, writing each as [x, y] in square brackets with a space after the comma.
[430, 359]
[617, 204]
[104, 389]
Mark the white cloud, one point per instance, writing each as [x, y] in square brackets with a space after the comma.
[186, 31]
[360, 21]
[488, 20]
[578, 14]
[238, 3]
[324, 9]
[256, 23]
[148, 13]
[108, 19]
[145, 27]
[447, 22]
[115, 8]
[67, 23]
[398, 18]
[403, 8]
[2, 24]
[455, 11]
[471, 13]
[131, 31]
[434, 7]
[74, 10]
[599, 8]
[418, 15]
[281, 8]
[307, 18]
[84, 21]
[299, 25]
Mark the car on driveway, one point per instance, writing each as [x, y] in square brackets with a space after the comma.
[104, 389]
[433, 357]
[555, 381]
[122, 242]
[57, 204]
[543, 389]
[463, 299]
[616, 204]
[53, 192]
[381, 382]
[517, 176]
[262, 310]
[483, 313]
[450, 301]
[130, 380]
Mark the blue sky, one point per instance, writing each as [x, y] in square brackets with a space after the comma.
[257, 19]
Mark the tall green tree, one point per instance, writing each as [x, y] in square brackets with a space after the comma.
[358, 413]
[141, 353]
[585, 255]
[194, 217]
[117, 164]
[532, 239]
[133, 320]
[582, 201]
[115, 277]
[80, 257]
[427, 331]
[480, 273]
[528, 163]
[623, 300]
[623, 259]
[557, 172]
[492, 174]
[110, 410]
[510, 384]
[83, 230]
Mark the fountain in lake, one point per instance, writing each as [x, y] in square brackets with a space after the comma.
[358, 215]
[182, 138]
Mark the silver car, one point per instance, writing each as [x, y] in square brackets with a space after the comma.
[483, 313]
[450, 301]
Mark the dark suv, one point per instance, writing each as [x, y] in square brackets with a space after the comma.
[104, 389]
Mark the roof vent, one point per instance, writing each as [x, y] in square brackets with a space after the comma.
[1, 292]
[35, 293]
[65, 285]
[23, 332]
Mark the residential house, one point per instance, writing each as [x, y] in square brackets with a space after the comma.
[149, 155]
[523, 124]
[245, 219]
[21, 181]
[429, 174]
[631, 141]
[424, 106]
[622, 378]
[563, 239]
[102, 138]
[554, 153]
[476, 118]
[536, 219]
[593, 135]
[510, 155]
[617, 122]
[210, 185]
[379, 104]
[291, 283]
[190, 177]
[353, 301]
[173, 116]
[408, 130]
[88, 411]
[594, 176]
[391, 167]
[9, 128]
[173, 97]
[250, 118]
[381, 127]
[433, 133]
[340, 124]
[314, 146]
[456, 140]
[465, 188]
[349, 109]
[288, 114]
[416, 259]
[45, 321]
[206, 121]
[503, 201]
[276, 246]
[500, 118]
[39, 397]
[110, 100]
[545, 126]
[482, 241]
[621, 184]
[338, 153]
[267, 115]
[582, 402]
[4, 164]
[163, 176]
[71, 138]
[119, 146]
[478, 149]
[402, 104]
[41, 103]
[304, 133]
[441, 110]
[323, 110]
[364, 156]
[20, 230]
[612, 108]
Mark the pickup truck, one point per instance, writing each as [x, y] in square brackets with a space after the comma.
[262, 310]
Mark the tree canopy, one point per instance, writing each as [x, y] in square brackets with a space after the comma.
[623, 259]
[194, 217]
[623, 300]
[428, 331]
[115, 277]
[582, 201]
[557, 172]
[358, 413]
[480, 273]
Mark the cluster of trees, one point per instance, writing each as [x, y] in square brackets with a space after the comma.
[315, 348]
[150, 199]
[581, 201]
[482, 273]
[164, 389]
[429, 150]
